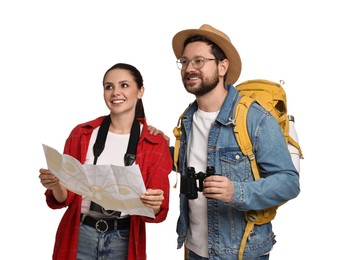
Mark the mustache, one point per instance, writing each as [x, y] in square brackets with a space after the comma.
[192, 75]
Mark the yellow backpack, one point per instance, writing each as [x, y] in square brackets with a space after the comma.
[272, 97]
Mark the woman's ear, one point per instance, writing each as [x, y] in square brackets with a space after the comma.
[140, 92]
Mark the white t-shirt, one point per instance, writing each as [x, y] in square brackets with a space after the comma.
[113, 153]
[197, 239]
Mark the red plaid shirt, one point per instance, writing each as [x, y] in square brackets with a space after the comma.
[155, 162]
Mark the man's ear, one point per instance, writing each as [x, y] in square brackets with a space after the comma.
[223, 67]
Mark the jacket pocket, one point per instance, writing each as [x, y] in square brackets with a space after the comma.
[235, 165]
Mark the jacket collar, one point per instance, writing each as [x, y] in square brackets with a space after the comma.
[227, 110]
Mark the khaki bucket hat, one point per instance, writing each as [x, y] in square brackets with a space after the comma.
[218, 37]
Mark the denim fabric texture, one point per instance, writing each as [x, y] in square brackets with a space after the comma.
[93, 244]
[279, 182]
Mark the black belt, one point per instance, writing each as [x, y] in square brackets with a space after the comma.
[103, 225]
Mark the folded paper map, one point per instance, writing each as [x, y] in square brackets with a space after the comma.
[113, 187]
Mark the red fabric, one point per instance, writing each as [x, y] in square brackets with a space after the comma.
[155, 162]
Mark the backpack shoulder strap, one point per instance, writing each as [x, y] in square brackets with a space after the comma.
[258, 217]
[241, 132]
[177, 133]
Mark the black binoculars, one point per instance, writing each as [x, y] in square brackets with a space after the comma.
[189, 185]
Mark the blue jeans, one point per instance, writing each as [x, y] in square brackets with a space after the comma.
[193, 256]
[93, 244]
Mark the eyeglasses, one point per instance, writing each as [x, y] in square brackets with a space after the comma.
[197, 62]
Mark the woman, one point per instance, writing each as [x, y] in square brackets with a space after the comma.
[107, 140]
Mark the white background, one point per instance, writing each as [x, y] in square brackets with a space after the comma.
[53, 55]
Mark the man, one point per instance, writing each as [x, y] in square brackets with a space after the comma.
[213, 224]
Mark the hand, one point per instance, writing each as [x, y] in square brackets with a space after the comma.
[154, 131]
[153, 199]
[47, 179]
[218, 187]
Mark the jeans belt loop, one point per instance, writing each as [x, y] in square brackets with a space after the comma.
[100, 223]
[82, 217]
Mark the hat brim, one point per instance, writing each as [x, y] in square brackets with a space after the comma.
[235, 64]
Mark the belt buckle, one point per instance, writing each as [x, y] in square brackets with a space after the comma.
[102, 226]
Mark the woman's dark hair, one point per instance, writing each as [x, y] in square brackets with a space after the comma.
[137, 76]
[215, 49]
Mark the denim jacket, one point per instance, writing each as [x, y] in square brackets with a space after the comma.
[279, 182]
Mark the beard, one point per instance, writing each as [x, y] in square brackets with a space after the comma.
[206, 86]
